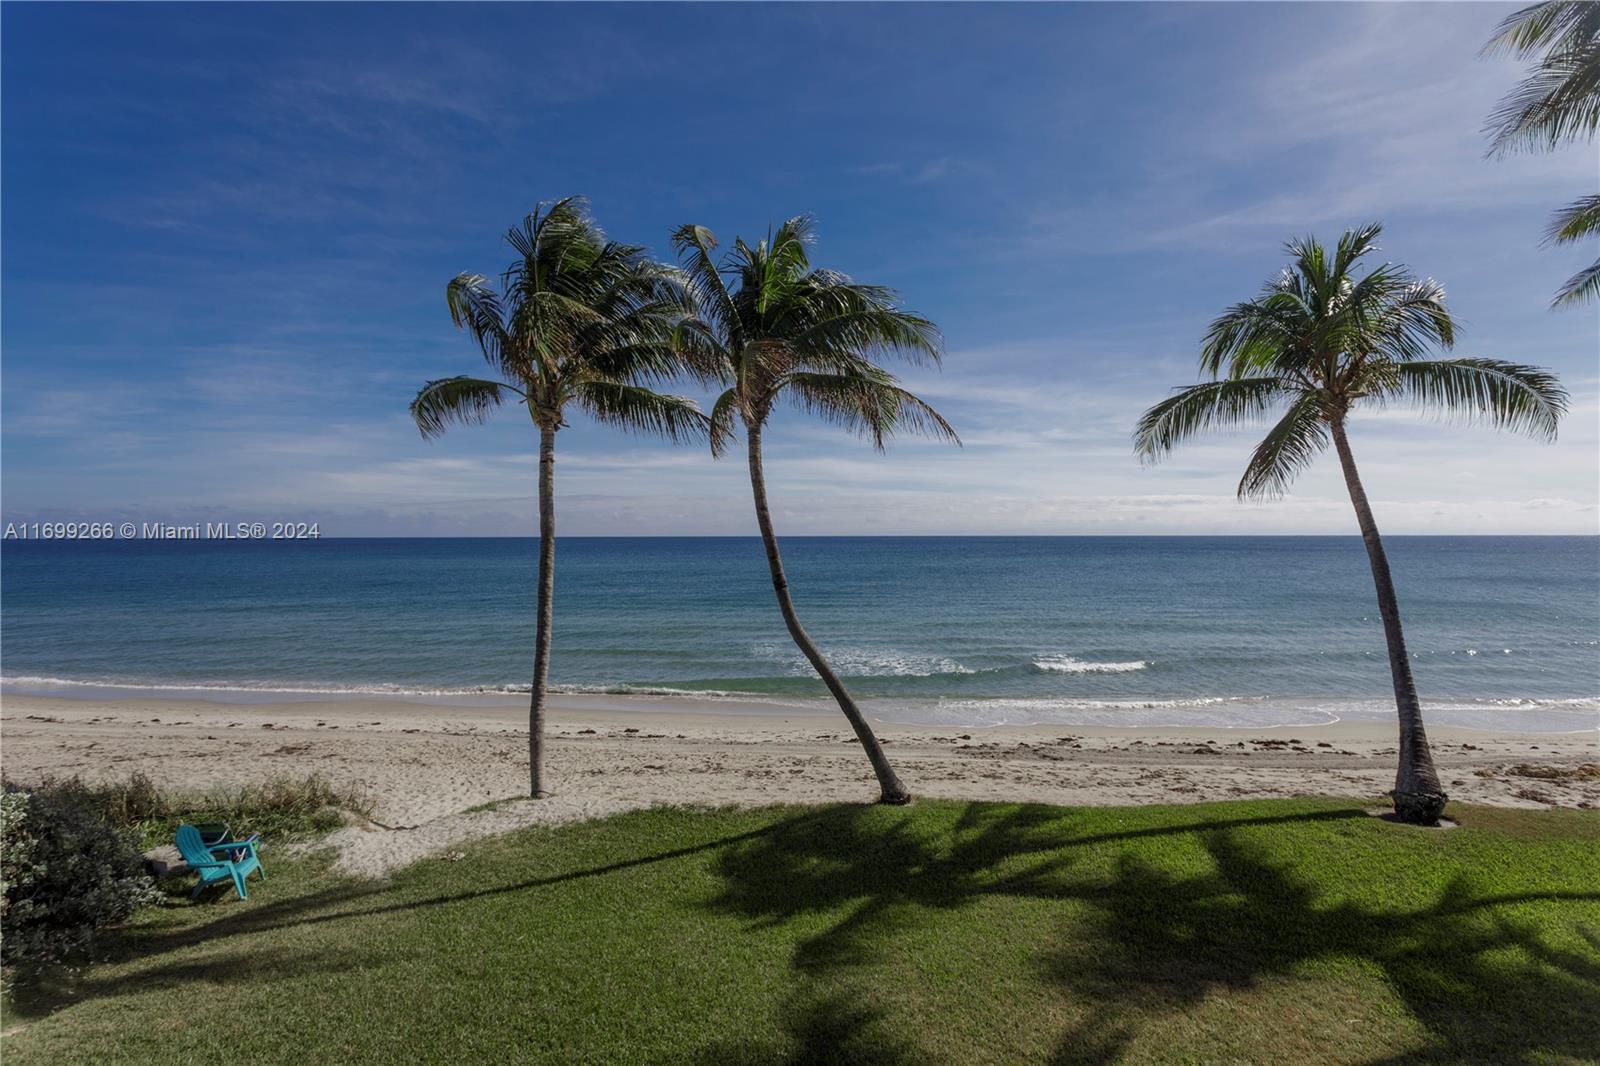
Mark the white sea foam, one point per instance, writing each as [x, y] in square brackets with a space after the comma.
[27, 681]
[1574, 715]
[268, 690]
[861, 662]
[679, 693]
[1198, 711]
[1066, 664]
[1579, 714]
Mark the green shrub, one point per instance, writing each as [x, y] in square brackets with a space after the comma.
[65, 871]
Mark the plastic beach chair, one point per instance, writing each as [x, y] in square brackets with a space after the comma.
[231, 860]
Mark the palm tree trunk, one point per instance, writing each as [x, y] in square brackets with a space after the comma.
[546, 610]
[892, 791]
[1418, 796]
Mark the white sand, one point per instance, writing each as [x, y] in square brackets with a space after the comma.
[425, 765]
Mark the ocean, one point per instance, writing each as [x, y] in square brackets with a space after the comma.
[1226, 631]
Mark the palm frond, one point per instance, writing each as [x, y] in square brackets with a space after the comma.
[699, 352]
[1287, 449]
[456, 401]
[1577, 220]
[640, 410]
[1405, 323]
[560, 254]
[1553, 23]
[1558, 102]
[723, 414]
[1268, 335]
[568, 287]
[1309, 260]
[854, 325]
[640, 344]
[1354, 244]
[1559, 99]
[1211, 404]
[1524, 399]
[871, 405]
[626, 282]
[787, 252]
[695, 245]
[1580, 288]
[475, 307]
[553, 219]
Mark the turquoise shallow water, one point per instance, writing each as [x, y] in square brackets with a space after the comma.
[977, 630]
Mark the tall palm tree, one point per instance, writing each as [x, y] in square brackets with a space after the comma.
[772, 328]
[1559, 101]
[1319, 343]
[577, 320]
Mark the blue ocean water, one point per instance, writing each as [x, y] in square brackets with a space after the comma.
[1505, 631]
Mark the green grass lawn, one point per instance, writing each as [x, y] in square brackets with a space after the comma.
[1282, 931]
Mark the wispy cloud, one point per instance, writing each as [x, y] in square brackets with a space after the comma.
[916, 173]
[1379, 119]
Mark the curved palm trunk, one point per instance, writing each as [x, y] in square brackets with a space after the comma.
[888, 783]
[546, 610]
[1418, 796]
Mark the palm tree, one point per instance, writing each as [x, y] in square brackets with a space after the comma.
[1558, 101]
[1318, 343]
[581, 320]
[770, 328]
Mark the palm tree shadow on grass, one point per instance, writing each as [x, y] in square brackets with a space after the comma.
[1162, 944]
[50, 988]
[1482, 986]
[820, 1029]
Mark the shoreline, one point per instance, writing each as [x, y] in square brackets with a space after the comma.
[426, 765]
[1443, 712]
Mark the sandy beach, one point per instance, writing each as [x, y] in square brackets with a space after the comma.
[425, 766]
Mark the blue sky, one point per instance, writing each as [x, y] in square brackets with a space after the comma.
[227, 232]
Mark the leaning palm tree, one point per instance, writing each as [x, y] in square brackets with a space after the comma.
[577, 320]
[772, 328]
[1559, 101]
[1319, 343]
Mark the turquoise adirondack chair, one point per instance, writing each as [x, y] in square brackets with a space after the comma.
[213, 864]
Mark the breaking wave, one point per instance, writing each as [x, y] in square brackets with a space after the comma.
[1066, 664]
[862, 662]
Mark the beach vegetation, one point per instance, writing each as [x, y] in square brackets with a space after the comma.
[1319, 343]
[280, 809]
[577, 321]
[771, 329]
